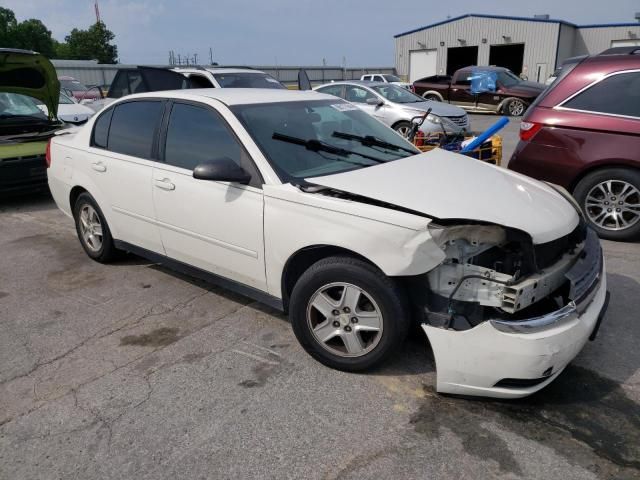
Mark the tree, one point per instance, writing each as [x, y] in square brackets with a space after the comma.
[7, 26]
[91, 44]
[33, 35]
[28, 35]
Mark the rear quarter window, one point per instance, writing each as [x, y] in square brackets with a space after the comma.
[618, 94]
[100, 135]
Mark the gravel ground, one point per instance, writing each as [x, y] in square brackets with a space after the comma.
[132, 371]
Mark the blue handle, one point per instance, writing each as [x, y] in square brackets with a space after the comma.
[488, 133]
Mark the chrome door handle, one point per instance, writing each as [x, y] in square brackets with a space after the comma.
[165, 184]
[99, 167]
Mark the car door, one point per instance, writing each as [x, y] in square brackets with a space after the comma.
[460, 92]
[215, 226]
[359, 96]
[121, 157]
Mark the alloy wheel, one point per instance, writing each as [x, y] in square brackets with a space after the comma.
[403, 130]
[613, 205]
[344, 319]
[516, 108]
[91, 228]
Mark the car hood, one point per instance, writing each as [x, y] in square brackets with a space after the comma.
[449, 186]
[438, 108]
[29, 73]
[532, 89]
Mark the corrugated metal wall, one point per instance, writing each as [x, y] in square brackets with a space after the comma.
[595, 40]
[92, 73]
[540, 40]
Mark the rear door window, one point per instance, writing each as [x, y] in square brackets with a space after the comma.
[120, 86]
[357, 95]
[335, 90]
[133, 128]
[198, 134]
[617, 94]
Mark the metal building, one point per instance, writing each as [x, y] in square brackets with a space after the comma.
[532, 46]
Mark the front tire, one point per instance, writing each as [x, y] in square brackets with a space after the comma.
[93, 230]
[403, 129]
[347, 314]
[610, 200]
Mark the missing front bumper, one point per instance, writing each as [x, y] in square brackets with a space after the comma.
[478, 360]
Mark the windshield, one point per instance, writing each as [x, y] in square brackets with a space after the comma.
[15, 105]
[64, 100]
[247, 80]
[325, 123]
[73, 85]
[508, 78]
[391, 78]
[396, 94]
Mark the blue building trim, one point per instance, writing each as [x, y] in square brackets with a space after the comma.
[523, 19]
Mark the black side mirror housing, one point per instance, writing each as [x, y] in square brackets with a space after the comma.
[221, 170]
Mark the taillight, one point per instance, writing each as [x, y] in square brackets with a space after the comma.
[47, 154]
[529, 129]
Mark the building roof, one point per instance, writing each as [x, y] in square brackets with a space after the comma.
[523, 19]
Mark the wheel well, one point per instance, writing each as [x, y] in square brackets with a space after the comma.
[434, 93]
[595, 168]
[300, 261]
[399, 122]
[74, 194]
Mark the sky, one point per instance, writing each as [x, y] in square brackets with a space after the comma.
[286, 32]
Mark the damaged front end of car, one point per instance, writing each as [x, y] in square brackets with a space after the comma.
[503, 315]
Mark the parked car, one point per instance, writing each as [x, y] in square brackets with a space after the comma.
[28, 79]
[584, 134]
[70, 111]
[386, 78]
[228, 77]
[395, 106]
[481, 89]
[306, 203]
[79, 91]
[139, 80]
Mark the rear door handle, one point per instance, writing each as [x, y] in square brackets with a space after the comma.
[165, 184]
[99, 167]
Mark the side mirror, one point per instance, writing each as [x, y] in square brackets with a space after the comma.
[221, 170]
[376, 102]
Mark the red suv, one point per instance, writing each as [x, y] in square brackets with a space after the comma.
[583, 133]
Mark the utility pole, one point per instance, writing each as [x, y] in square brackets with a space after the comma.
[195, 59]
[97, 9]
[210, 56]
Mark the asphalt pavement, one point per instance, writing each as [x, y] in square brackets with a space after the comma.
[130, 370]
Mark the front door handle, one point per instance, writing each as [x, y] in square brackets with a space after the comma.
[165, 184]
[99, 167]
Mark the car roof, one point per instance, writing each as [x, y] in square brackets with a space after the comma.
[217, 69]
[239, 96]
[364, 83]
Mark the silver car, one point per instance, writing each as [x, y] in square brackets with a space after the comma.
[396, 106]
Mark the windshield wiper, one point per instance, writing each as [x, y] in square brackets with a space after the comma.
[370, 141]
[318, 146]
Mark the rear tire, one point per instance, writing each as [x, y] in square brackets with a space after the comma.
[600, 194]
[432, 97]
[365, 313]
[93, 230]
[516, 107]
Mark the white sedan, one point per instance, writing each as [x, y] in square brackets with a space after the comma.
[306, 203]
[70, 111]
